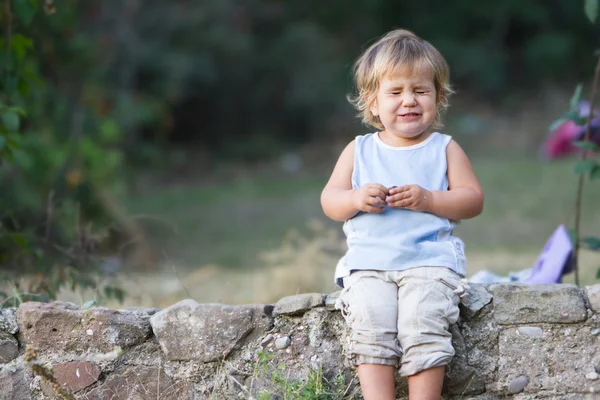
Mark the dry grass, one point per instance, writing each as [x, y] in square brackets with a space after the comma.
[303, 263]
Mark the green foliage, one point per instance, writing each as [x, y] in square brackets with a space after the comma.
[591, 10]
[591, 146]
[51, 171]
[573, 113]
[98, 89]
[314, 387]
[585, 166]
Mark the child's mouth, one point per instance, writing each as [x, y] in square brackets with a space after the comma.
[410, 116]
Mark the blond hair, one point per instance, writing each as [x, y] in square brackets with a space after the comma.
[398, 50]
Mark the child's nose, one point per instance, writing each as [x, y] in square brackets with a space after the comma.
[409, 98]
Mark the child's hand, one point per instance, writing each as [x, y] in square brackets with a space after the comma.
[370, 197]
[412, 197]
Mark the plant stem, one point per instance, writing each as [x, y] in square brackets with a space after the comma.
[8, 48]
[584, 154]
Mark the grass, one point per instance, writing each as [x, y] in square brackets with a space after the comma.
[250, 240]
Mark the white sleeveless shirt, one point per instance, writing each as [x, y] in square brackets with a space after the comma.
[399, 239]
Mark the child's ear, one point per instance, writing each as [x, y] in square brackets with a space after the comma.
[373, 107]
[374, 110]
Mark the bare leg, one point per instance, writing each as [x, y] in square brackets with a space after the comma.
[426, 385]
[377, 381]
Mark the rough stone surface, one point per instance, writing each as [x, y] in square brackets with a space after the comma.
[283, 343]
[524, 304]
[476, 298]
[556, 361]
[14, 384]
[298, 304]
[481, 342]
[331, 299]
[8, 320]
[517, 385]
[462, 378]
[592, 376]
[521, 358]
[139, 383]
[64, 326]
[593, 295]
[76, 375]
[203, 332]
[9, 347]
[532, 331]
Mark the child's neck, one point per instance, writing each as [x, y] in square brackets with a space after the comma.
[397, 141]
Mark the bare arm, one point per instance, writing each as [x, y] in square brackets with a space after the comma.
[464, 197]
[462, 200]
[339, 201]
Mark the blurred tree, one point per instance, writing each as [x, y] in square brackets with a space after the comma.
[124, 81]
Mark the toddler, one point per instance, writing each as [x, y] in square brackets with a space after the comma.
[399, 192]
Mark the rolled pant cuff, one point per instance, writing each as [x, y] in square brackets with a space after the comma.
[413, 368]
[359, 359]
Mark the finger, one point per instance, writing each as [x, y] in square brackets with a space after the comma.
[377, 192]
[380, 187]
[398, 197]
[402, 189]
[376, 201]
[406, 203]
[372, 209]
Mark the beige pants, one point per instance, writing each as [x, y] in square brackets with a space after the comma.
[401, 318]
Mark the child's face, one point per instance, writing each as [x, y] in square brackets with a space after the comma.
[406, 105]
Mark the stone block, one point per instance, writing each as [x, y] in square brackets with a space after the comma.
[8, 320]
[525, 304]
[14, 384]
[63, 326]
[204, 332]
[9, 347]
[558, 360]
[298, 304]
[138, 383]
[593, 295]
[331, 299]
[475, 299]
[76, 375]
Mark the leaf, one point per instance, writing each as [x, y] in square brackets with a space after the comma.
[89, 304]
[25, 10]
[583, 167]
[10, 120]
[574, 116]
[20, 45]
[8, 154]
[2, 142]
[13, 141]
[576, 96]
[20, 241]
[109, 131]
[591, 10]
[595, 173]
[554, 126]
[587, 145]
[18, 110]
[591, 242]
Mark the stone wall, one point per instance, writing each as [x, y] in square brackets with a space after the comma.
[512, 341]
